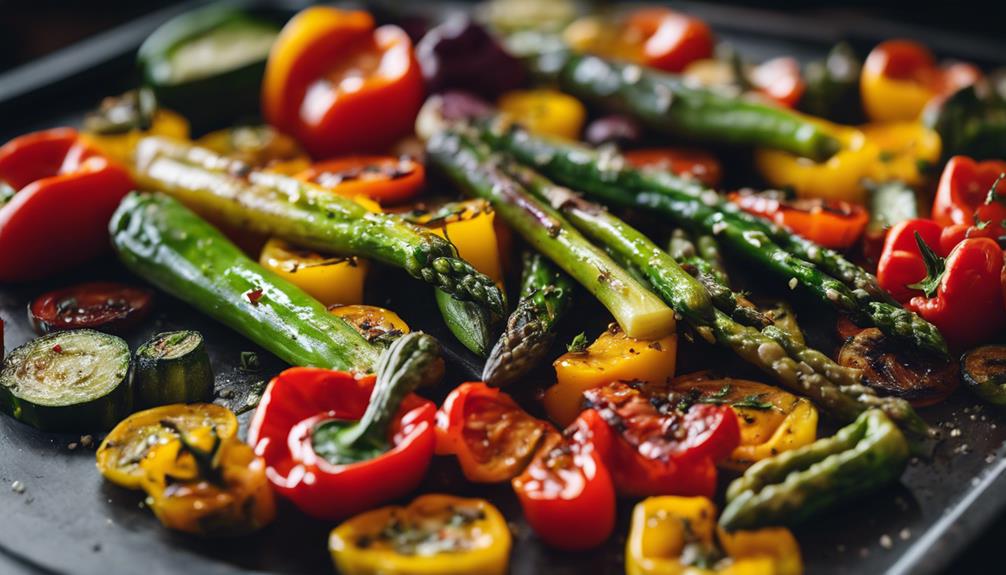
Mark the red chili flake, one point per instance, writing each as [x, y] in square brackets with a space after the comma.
[57, 348]
[254, 295]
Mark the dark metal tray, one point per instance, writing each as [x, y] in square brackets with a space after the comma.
[70, 521]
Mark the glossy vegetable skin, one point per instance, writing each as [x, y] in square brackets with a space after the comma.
[384, 179]
[830, 223]
[340, 85]
[493, 438]
[331, 280]
[104, 306]
[433, 535]
[368, 438]
[64, 193]
[797, 485]
[215, 276]
[984, 371]
[259, 146]
[173, 367]
[963, 190]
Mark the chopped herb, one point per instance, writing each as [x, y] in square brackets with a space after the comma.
[579, 344]
[753, 401]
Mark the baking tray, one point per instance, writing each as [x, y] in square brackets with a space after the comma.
[70, 521]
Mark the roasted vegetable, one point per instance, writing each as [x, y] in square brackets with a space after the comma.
[471, 323]
[205, 269]
[208, 64]
[545, 296]
[613, 356]
[671, 534]
[332, 280]
[173, 367]
[972, 122]
[492, 437]
[796, 485]
[136, 437]
[687, 162]
[833, 86]
[545, 111]
[104, 306]
[376, 324]
[57, 218]
[964, 190]
[259, 146]
[120, 121]
[612, 129]
[325, 434]
[830, 223]
[461, 55]
[434, 535]
[384, 179]
[984, 371]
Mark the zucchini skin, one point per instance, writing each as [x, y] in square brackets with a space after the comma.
[164, 242]
[989, 389]
[187, 378]
[796, 485]
[98, 414]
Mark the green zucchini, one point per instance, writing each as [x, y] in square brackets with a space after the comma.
[76, 380]
[984, 371]
[164, 242]
[471, 323]
[208, 64]
[173, 367]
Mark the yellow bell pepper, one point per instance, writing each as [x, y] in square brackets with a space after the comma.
[771, 420]
[260, 147]
[121, 147]
[470, 227]
[664, 528]
[433, 535]
[330, 280]
[545, 112]
[371, 321]
[613, 356]
[877, 152]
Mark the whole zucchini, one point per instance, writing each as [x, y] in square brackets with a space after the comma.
[164, 242]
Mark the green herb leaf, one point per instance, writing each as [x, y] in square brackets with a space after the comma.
[935, 267]
[753, 401]
[579, 344]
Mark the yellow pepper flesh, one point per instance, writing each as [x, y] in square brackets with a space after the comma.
[260, 147]
[472, 230]
[330, 280]
[545, 112]
[121, 147]
[436, 535]
[371, 321]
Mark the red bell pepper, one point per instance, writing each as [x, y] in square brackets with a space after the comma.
[493, 438]
[298, 412]
[566, 492]
[65, 193]
[831, 223]
[659, 451]
[964, 189]
[779, 79]
[901, 263]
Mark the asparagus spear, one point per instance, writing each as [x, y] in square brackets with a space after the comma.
[664, 102]
[806, 371]
[701, 210]
[545, 296]
[640, 313]
[309, 215]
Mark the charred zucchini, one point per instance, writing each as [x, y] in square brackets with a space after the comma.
[173, 367]
[984, 371]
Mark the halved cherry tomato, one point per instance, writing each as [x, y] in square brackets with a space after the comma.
[697, 164]
[779, 79]
[384, 179]
[831, 223]
[493, 438]
[104, 306]
[667, 39]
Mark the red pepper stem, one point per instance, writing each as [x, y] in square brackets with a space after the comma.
[935, 268]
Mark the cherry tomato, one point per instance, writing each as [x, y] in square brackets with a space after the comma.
[104, 306]
[669, 40]
[384, 179]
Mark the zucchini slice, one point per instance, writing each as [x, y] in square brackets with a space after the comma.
[984, 370]
[173, 367]
[77, 380]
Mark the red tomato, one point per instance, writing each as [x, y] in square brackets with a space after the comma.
[669, 40]
[103, 306]
[384, 179]
[779, 79]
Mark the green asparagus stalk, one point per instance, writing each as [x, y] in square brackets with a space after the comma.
[640, 313]
[306, 214]
[471, 323]
[795, 485]
[545, 296]
[701, 210]
[666, 103]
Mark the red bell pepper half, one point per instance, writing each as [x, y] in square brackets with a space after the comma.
[964, 189]
[305, 421]
[658, 448]
[64, 194]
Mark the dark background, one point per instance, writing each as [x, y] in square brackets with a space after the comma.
[33, 28]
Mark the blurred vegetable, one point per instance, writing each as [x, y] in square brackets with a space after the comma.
[889, 205]
[545, 112]
[66, 191]
[329, 279]
[900, 77]
[779, 79]
[693, 163]
[461, 55]
[340, 85]
[208, 64]
[972, 122]
[833, 86]
[259, 146]
[613, 129]
[514, 15]
[119, 123]
[434, 535]
[830, 223]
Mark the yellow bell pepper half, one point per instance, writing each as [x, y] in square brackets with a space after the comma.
[613, 356]
[771, 420]
[121, 147]
[433, 535]
[672, 535]
[470, 227]
[879, 152]
[371, 321]
[260, 147]
[330, 280]
[545, 112]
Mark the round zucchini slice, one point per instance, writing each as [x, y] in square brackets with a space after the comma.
[173, 367]
[984, 370]
[77, 380]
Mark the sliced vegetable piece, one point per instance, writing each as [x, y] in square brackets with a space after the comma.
[133, 439]
[375, 324]
[545, 112]
[692, 163]
[259, 146]
[919, 377]
[104, 306]
[613, 356]
[791, 487]
[76, 380]
[833, 86]
[173, 367]
[332, 280]
[830, 223]
[492, 437]
[384, 179]
[984, 371]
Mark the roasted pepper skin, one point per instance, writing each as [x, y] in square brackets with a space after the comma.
[795, 485]
[358, 546]
[963, 189]
[66, 192]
